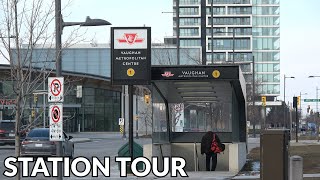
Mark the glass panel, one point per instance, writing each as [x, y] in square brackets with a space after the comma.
[239, 10]
[160, 121]
[189, 11]
[189, 21]
[189, 2]
[189, 32]
[227, 44]
[229, 1]
[201, 117]
[229, 21]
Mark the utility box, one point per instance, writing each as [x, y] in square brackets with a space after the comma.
[137, 152]
[274, 155]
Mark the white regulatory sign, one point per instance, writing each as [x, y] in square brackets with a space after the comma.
[55, 89]
[56, 122]
[121, 121]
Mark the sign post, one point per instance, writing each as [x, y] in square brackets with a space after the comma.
[55, 99]
[131, 63]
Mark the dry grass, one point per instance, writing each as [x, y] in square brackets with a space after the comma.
[309, 153]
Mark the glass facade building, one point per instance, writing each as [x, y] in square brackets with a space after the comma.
[235, 31]
[100, 105]
[266, 45]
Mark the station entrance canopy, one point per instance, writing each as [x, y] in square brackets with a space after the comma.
[191, 100]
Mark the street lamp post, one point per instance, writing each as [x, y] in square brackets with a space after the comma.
[316, 108]
[233, 41]
[59, 25]
[284, 98]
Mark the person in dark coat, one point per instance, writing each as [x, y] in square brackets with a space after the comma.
[206, 149]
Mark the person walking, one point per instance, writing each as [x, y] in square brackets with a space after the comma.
[206, 142]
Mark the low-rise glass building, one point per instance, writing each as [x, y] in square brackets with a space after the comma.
[89, 66]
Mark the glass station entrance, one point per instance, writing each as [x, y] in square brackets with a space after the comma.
[191, 100]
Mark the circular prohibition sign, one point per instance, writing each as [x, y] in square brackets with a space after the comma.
[54, 89]
[55, 114]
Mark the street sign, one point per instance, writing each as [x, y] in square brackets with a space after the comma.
[55, 89]
[311, 100]
[130, 55]
[121, 121]
[79, 91]
[56, 122]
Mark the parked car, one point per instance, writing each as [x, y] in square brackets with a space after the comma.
[7, 132]
[37, 143]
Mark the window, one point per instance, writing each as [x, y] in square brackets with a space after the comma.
[267, 67]
[216, 10]
[189, 2]
[189, 32]
[217, 57]
[229, 1]
[266, 21]
[191, 42]
[215, 30]
[266, 43]
[240, 57]
[266, 31]
[239, 10]
[189, 21]
[241, 31]
[230, 21]
[266, 1]
[227, 44]
[266, 10]
[189, 11]
[266, 56]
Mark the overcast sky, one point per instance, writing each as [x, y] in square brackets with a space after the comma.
[300, 33]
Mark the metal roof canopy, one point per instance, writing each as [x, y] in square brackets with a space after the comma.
[201, 84]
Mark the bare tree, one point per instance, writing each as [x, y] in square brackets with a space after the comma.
[163, 54]
[26, 34]
[144, 109]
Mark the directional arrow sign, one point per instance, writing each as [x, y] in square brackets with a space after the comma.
[56, 122]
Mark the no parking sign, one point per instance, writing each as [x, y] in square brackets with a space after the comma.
[56, 122]
[55, 89]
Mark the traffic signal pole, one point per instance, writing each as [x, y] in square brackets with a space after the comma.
[295, 105]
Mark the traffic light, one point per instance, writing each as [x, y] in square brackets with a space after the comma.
[295, 102]
[264, 100]
[35, 98]
[33, 113]
[298, 100]
[147, 98]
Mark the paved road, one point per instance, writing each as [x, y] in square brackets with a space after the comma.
[107, 144]
[101, 145]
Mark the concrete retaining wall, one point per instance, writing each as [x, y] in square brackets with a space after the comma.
[232, 159]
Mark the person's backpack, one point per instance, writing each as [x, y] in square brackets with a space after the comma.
[215, 146]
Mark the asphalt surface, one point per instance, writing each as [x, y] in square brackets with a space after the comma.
[87, 145]
[102, 145]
